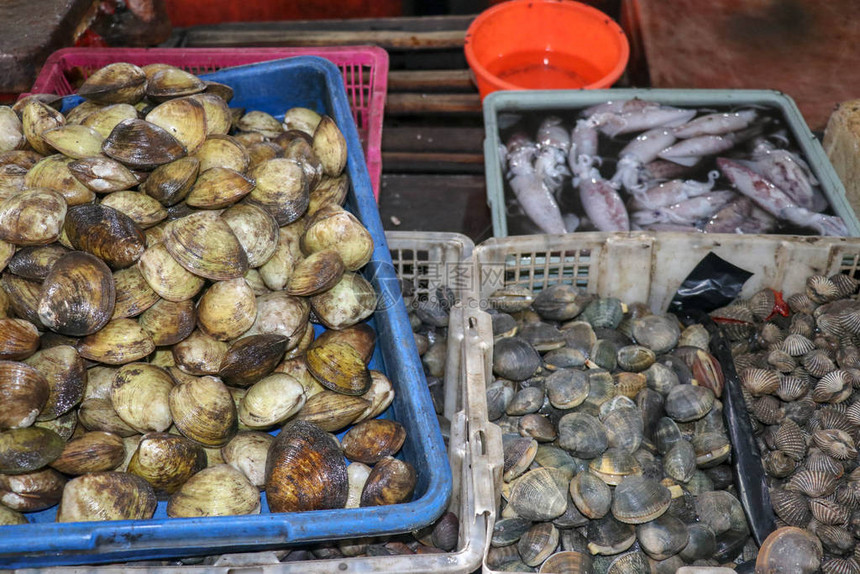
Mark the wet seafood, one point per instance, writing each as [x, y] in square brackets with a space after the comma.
[630, 442]
[643, 163]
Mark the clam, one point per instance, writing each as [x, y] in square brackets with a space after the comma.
[78, 295]
[539, 494]
[21, 297]
[330, 190]
[11, 130]
[349, 301]
[133, 294]
[218, 187]
[139, 144]
[789, 549]
[23, 393]
[36, 119]
[120, 82]
[590, 495]
[260, 122]
[74, 141]
[271, 401]
[638, 500]
[99, 414]
[204, 411]
[205, 245]
[106, 118]
[339, 367]
[222, 151]
[20, 339]
[170, 183]
[247, 452]
[32, 491]
[391, 481]
[281, 189]
[218, 119]
[227, 309]
[624, 425]
[372, 440]
[282, 314]
[256, 230]
[139, 395]
[172, 82]
[305, 470]
[318, 272]
[380, 395]
[166, 461]
[567, 388]
[686, 403]
[305, 120]
[360, 337]
[102, 174]
[582, 435]
[220, 490]
[333, 227]
[608, 536]
[538, 543]
[182, 118]
[106, 496]
[27, 449]
[251, 358]
[277, 270]
[514, 359]
[166, 276]
[106, 233]
[120, 341]
[95, 451]
[656, 332]
[330, 146]
[519, 452]
[142, 209]
[332, 411]
[679, 463]
[168, 322]
[32, 217]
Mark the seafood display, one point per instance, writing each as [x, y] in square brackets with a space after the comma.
[616, 457]
[798, 364]
[169, 269]
[639, 165]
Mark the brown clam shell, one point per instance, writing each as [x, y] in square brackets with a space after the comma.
[305, 470]
[18, 339]
[35, 261]
[372, 440]
[106, 233]
[316, 273]
[251, 358]
[166, 276]
[116, 83]
[789, 549]
[360, 337]
[145, 211]
[23, 393]
[170, 183]
[120, 341]
[349, 301]
[28, 449]
[332, 227]
[219, 490]
[169, 322]
[139, 395]
[332, 411]
[106, 496]
[203, 410]
[219, 187]
[66, 375]
[199, 354]
[391, 481]
[227, 309]
[139, 144]
[330, 190]
[91, 452]
[172, 82]
[330, 147]
[133, 293]
[281, 189]
[205, 245]
[102, 174]
[32, 491]
[166, 461]
[78, 295]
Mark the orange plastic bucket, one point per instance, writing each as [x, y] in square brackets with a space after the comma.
[545, 44]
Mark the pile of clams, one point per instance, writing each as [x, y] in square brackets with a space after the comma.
[616, 457]
[160, 283]
[799, 365]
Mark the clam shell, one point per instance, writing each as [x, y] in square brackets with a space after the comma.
[537, 543]
[142, 209]
[658, 333]
[790, 440]
[105, 119]
[33, 491]
[836, 443]
[778, 464]
[218, 187]
[768, 410]
[566, 388]
[828, 511]
[205, 245]
[251, 358]
[36, 119]
[204, 411]
[106, 233]
[635, 358]
[305, 470]
[35, 262]
[537, 495]
[271, 401]
[380, 395]
[614, 465]
[281, 189]
[329, 191]
[335, 228]
[792, 388]
[360, 337]
[761, 303]
[32, 217]
[247, 452]
[790, 548]
[220, 490]
[120, 82]
[106, 496]
[318, 272]
[139, 144]
[227, 309]
[332, 411]
[591, 495]
[339, 367]
[760, 381]
[686, 403]
[95, 451]
[608, 536]
[169, 322]
[18, 339]
[183, 118]
[99, 414]
[330, 146]
[638, 500]
[120, 341]
[172, 82]
[133, 295]
[821, 289]
[139, 395]
[835, 386]
[391, 481]
[737, 321]
[256, 230]
[814, 484]
[222, 151]
[582, 435]
[372, 440]
[663, 537]
[78, 295]
[102, 174]
[781, 361]
[74, 141]
[24, 450]
[23, 394]
[170, 183]
[166, 276]
[679, 463]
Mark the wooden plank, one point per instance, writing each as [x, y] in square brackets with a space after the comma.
[390, 39]
[436, 203]
[408, 103]
[426, 138]
[433, 162]
[430, 81]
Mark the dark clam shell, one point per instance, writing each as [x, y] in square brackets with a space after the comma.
[790, 549]
[339, 367]
[35, 261]
[372, 440]
[78, 296]
[251, 358]
[515, 359]
[23, 393]
[305, 470]
[391, 481]
[139, 144]
[166, 461]
[19, 339]
[91, 452]
[32, 491]
[106, 233]
[28, 449]
[360, 337]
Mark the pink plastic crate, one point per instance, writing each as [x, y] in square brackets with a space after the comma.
[364, 69]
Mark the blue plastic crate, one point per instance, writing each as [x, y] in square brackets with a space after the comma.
[274, 87]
